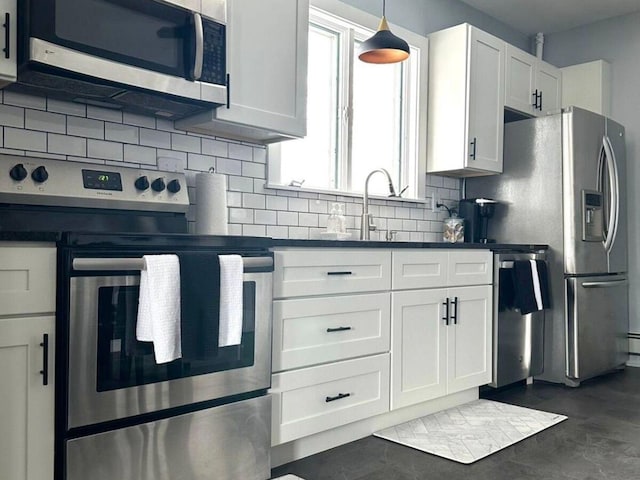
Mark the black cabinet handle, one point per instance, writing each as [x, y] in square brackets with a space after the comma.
[7, 35]
[340, 396]
[45, 359]
[446, 312]
[535, 99]
[340, 273]
[338, 329]
[473, 152]
[454, 317]
[228, 90]
[540, 106]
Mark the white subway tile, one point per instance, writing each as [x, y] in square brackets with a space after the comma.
[234, 199]
[19, 139]
[452, 183]
[106, 150]
[240, 215]
[240, 152]
[240, 184]
[215, 147]
[255, 170]
[287, 193]
[27, 101]
[52, 156]
[185, 143]
[137, 154]
[165, 125]
[287, 218]
[298, 204]
[121, 133]
[402, 212]
[266, 217]
[203, 163]
[85, 127]
[138, 120]
[155, 138]
[416, 236]
[229, 167]
[308, 219]
[258, 186]
[11, 116]
[95, 161]
[301, 233]
[318, 206]
[9, 151]
[1, 136]
[106, 114]
[387, 212]
[44, 121]
[354, 209]
[171, 161]
[308, 195]
[277, 232]
[67, 145]
[417, 213]
[235, 229]
[251, 200]
[67, 108]
[254, 230]
[394, 224]
[276, 203]
[410, 225]
[435, 181]
[260, 155]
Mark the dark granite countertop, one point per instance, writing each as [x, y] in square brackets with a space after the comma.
[379, 244]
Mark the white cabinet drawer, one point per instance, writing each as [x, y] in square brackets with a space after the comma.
[470, 267]
[329, 271]
[315, 399]
[27, 279]
[414, 269]
[310, 331]
[419, 269]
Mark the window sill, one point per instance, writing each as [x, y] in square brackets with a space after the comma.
[339, 193]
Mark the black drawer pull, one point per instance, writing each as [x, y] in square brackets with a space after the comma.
[446, 312]
[340, 396]
[45, 359]
[7, 35]
[346, 272]
[338, 329]
[454, 317]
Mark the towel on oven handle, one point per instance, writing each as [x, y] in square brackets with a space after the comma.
[159, 306]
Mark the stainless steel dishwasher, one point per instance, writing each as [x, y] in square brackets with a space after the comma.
[518, 340]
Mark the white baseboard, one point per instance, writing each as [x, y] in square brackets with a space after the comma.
[320, 442]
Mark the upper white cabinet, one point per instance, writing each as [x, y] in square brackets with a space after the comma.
[267, 63]
[532, 86]
[588, 86]
[466, 102]
[8, 46]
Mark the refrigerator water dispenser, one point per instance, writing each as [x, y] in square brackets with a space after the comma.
[592, 227]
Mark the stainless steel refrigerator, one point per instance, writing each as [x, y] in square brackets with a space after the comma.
[564, 185]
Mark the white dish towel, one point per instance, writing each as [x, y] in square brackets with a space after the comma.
[231, 308]
[159, 306]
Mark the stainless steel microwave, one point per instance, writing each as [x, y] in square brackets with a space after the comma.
[161, 57]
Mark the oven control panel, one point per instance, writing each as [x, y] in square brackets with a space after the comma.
[41, 181]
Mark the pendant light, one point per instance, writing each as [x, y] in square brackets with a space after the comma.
[384, 46]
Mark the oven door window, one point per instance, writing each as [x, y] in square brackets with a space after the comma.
[148, 35]
[122, 361]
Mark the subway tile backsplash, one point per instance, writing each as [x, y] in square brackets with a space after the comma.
[47, 128]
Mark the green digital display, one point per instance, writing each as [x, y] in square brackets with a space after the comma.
[100, 180]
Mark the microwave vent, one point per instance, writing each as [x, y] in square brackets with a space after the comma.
[160, 105]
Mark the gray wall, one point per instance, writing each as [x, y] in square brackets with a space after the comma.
[617, 41]
[427, 16]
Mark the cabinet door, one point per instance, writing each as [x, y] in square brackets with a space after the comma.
[8, 50]
[418, 350]
[519, 80]
[26, 412]
[267, 62]
[469, 338]
[549, 83]
[486, 102]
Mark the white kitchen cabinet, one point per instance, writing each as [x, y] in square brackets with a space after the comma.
[466, 102]
[267, 63]
[441, 323]
[27, 329]
[588, 86]
[532, 86]
[8, 50]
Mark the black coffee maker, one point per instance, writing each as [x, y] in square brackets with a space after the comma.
[476, 213]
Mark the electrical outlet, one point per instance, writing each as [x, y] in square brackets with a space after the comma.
[434, 202]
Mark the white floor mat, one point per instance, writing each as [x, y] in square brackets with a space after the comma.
[471, 431]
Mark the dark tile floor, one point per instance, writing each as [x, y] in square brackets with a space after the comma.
[600, 440]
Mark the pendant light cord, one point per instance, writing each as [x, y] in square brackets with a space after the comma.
[384, 7]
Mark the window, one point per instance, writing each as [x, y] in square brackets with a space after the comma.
[360, 116]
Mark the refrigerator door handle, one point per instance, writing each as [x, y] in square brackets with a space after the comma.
[611, 157]
[610, 284]
[613, 194]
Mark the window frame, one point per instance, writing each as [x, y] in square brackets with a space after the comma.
[337, 14]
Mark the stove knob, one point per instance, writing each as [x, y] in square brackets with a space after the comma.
[40, 175]
[142, 183]
[158, 185]
[173, 186]
[18, 172]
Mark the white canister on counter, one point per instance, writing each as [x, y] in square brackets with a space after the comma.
[211, 208]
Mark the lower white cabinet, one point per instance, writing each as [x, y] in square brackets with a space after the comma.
[311, 400]
[26, 404]
[441, 342]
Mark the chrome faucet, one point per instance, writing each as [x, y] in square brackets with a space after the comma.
[366, 224]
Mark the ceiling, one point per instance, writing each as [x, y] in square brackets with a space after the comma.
[549, 16]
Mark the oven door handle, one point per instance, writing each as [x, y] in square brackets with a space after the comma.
[113, 264]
